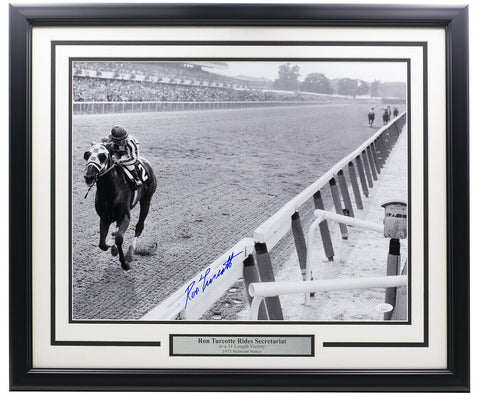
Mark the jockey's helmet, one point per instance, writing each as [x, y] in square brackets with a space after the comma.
[119, 134]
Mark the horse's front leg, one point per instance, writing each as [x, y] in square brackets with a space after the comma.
[104, 226]
[144, 207]
[122, 227]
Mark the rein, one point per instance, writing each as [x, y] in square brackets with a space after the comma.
[99, 175]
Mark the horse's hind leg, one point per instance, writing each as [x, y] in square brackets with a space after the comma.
[144, 208]
[122, 227]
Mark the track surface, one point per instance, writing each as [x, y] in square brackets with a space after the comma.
[221, 173]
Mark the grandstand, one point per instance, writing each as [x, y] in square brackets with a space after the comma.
[154, 81]
[170, 82]
[98, 82]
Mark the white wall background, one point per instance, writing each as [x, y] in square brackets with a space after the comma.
[474, 162]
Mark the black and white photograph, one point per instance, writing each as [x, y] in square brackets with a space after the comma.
[237, 190]
[236, 197]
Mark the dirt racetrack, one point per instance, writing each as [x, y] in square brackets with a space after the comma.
[220, 173]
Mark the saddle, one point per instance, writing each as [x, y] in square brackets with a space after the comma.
[136, 180]
[141, 174]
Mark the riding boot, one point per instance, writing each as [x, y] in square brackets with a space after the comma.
[136, 178]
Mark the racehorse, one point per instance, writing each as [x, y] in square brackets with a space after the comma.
[115, 197]
[371, 117]
[395, 112]
[386, 116]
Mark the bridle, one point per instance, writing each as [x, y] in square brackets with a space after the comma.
[99, 174]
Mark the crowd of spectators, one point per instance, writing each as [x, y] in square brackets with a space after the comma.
[99, 89]
[173, 70]
[117, 82]
[102, 89]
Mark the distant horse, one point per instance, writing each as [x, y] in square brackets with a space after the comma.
[386, 116]
[115, 197]
[395, 112]
[371, 117]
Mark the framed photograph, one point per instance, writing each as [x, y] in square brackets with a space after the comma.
[239, 197]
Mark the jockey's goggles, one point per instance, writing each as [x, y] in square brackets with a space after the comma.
[120, 142]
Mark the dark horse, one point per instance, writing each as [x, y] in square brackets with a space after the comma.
[371, 117]
[115, 198]
[386, 116]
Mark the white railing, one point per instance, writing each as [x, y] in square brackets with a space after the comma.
[112, 107]
[260, 290]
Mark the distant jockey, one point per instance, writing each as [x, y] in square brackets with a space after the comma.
[125, 153]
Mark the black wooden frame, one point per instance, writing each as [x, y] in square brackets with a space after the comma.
[455, 22]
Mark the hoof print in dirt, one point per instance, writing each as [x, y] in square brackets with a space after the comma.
[185, 234]
[149, 250]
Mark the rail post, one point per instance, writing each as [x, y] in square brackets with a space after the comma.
[300, 244]
[324, 230]
[393, 131]
[367, 169]
[391, 134]
[389, 138]
[361, 174]
[397, 131]
[386, 138]
[372, 163]
[383, 147]
[395, 228]
[309, 262]
[265, 271]
[338, 206]
[345, 195]
[400, 310]
[250, 275]
[378, 152]
[393, 262]
[385, 143]
[354, 183]
[375, 157]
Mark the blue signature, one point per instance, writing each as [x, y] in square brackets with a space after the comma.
[193, 290]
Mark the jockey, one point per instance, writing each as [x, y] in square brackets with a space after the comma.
[125, 152]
